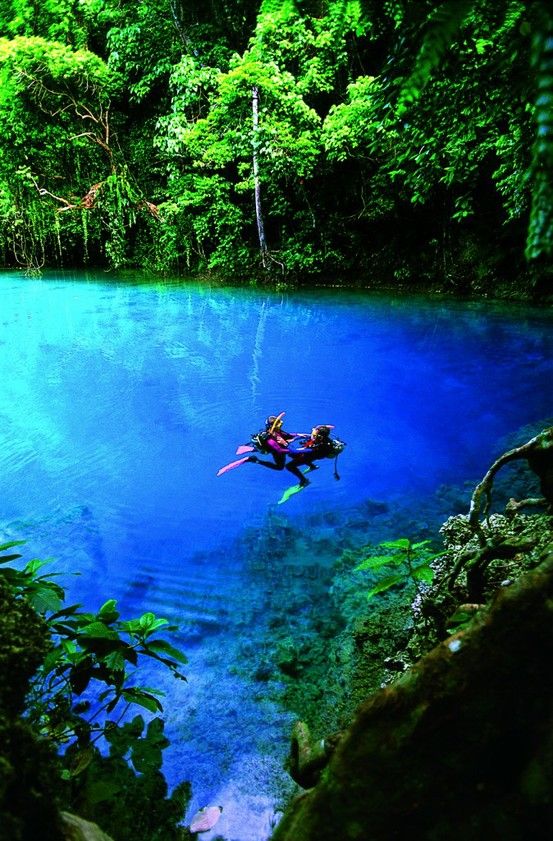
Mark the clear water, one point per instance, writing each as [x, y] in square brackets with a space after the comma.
[119, 401]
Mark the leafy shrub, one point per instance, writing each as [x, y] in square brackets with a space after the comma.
[411, 560]
[73, 676]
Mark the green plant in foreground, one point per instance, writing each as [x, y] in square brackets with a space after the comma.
[410, 560]
[109, 764]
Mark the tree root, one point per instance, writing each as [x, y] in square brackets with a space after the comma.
[307, 758]
[539, 454]
[476, 561]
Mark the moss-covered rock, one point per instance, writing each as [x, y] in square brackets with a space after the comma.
[458, 747]
[28, 799]
[24, 641]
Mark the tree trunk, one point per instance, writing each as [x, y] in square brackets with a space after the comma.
[257, 186]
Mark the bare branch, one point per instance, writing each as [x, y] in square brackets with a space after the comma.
[531, 451]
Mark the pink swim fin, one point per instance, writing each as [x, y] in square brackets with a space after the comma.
[232, 465]
[244, 448]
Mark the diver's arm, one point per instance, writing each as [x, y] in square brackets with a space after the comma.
[272, 445]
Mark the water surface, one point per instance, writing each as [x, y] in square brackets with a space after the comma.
[120, 401]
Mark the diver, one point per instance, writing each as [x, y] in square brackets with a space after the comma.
[274, 440]
[319, 445]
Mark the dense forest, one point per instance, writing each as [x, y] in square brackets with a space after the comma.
[404, 143]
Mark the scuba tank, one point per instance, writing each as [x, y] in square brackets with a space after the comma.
[259, 441]
[337, 447]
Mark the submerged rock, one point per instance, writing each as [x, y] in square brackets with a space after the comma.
[459, 747]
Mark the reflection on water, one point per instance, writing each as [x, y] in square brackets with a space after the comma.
[119, 402]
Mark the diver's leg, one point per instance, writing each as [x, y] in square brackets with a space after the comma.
[295, 471]
[277, 465]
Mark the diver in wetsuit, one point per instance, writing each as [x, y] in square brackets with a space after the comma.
[275, 440]
[318, 445]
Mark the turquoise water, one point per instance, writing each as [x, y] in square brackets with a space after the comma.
[120, 401]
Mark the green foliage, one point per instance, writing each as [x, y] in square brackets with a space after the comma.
[411, 563]
[47, 93]
[134, 47]
[131, 804]
[82, 689]
[442, 24]
[28, 767]
[292, 61]
[540, 232]
[110, 109]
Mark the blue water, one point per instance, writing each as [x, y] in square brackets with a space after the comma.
[119, 401]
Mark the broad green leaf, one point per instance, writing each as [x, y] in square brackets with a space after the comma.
[44, 581]
[131, 626]
[51, 660]
[166, 648]
[81, 760]
[34, 565]
[144, 699]
[421, 543]
[115, 661]
[4, 559]
[401, 543]
[424, 573]
[377, 561]
[99, 791]
[158, 623]
[109, 609]
[11, 544]
[147, 755]
[45, 599]
[97, 630]
[149, 623]
[385, 584]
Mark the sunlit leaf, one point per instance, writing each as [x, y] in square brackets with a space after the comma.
[385, 584]
[401, 543]
[378, 561]
[34, 565]
[423, 573]
[11, 544]
[45, 598]
[107, 612]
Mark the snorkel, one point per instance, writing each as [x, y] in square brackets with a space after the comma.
[277, 423]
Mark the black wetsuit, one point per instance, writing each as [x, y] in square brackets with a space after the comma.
[276, 442]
